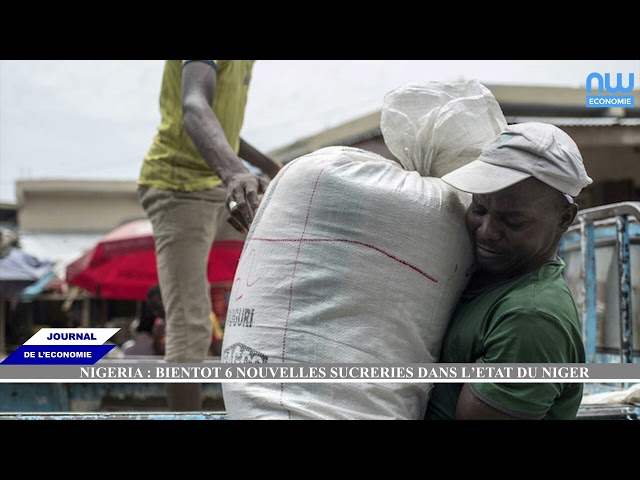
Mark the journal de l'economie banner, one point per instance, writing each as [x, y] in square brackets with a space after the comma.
[76, 355]
[63, 346]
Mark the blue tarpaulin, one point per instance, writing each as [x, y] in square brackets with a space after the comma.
[32, 291]
[19, 270]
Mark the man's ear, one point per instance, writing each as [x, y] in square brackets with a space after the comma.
[567, 216]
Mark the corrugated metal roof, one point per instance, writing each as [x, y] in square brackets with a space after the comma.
[579, 122]
[368, 126]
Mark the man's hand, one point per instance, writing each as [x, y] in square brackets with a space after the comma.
[244, 191]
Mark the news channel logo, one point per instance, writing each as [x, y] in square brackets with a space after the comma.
[611, 93]
[63, 346]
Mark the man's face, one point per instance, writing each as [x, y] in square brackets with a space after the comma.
[516, 229]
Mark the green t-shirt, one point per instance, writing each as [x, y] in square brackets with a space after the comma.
[530, 320]
[173, 162]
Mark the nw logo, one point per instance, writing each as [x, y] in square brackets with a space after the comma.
[605, 84]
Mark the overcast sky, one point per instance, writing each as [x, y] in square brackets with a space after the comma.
[95, 119]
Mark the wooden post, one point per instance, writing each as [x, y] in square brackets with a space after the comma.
[86, 308]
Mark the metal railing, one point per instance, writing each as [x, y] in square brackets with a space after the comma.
[620, 216]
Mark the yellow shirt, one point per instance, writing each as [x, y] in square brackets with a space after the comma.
[172, 162]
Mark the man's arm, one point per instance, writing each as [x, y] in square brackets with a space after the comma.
[470, 407]
[523, 335]
[258, 159]
[202, 125]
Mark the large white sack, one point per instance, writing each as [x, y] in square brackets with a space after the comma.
[353, 259]
[436, 127]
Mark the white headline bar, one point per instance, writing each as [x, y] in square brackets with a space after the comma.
[215, 372]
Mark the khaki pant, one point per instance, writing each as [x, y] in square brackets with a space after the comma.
[185, 225]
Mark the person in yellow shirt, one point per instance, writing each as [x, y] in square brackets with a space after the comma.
[195, 188]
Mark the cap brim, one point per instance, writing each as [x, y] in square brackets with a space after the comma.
[481, 177]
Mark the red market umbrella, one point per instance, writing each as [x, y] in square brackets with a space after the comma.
[122, 265]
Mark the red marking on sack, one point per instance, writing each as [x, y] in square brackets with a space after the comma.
[286, 325]
[345, 240]
[238, 295]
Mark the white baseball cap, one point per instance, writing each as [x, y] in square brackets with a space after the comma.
[523, 150]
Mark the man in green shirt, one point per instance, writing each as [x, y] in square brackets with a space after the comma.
[195, 188]
[517, 307]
